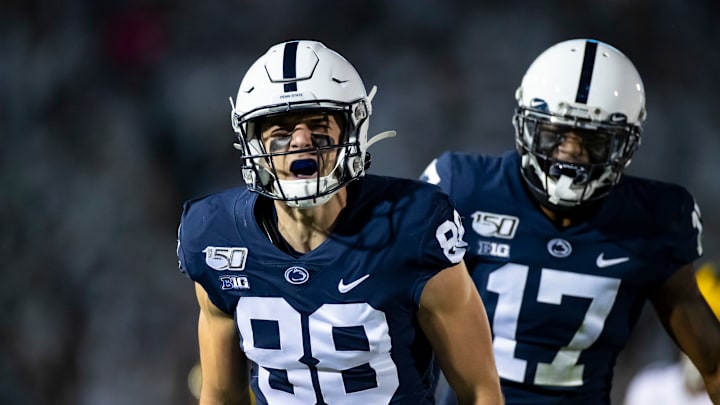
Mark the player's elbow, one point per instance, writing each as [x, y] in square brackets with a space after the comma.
[711, 378]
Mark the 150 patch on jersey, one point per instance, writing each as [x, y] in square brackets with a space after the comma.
[489, 224]
[225, 258]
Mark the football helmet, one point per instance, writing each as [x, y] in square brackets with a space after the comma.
[588, 88]
[297, 77]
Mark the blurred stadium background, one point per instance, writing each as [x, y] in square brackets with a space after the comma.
[114, 112]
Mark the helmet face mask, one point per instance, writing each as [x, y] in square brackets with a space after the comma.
[565, 183]
[587, 90]
[318, 167]
[293, 81]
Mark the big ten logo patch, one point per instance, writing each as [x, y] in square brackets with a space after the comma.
[234, 283]
[493, 249]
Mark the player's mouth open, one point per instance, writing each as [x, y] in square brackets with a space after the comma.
[304, 168]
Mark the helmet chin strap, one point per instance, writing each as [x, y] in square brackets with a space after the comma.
[306, 187]
[563, 189]
[562, 192]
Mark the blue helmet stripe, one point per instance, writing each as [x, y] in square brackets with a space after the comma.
[586, 72]
[289, 60]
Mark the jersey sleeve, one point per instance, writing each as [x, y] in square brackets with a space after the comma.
[199, 224]
[442, 244]
[686, 231]
[465, 177]
[188, 234]
[180, 252]
[671, 226]
[428, 231]
[439, 172]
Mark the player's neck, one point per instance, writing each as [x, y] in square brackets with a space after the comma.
[570, 217]
[556, 218]
[305, 229]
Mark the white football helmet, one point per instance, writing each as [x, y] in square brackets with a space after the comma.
[592, 89]
[292, 77]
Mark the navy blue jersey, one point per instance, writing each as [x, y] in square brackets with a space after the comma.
[562, 302]
[336, 324]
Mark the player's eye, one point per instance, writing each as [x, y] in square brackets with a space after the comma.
[280, 141]
[597, 146]
[548, 140]
[321, 140]
[279, 144]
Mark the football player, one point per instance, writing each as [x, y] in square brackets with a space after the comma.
[317, 283]
[563, 248]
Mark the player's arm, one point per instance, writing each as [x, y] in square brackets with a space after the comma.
[223, 364]
[692, 324]
[453, 318]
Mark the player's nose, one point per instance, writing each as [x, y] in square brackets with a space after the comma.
[571, 149]
[301, 137]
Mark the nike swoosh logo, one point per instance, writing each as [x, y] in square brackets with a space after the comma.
[602, 262]
[343, 288]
